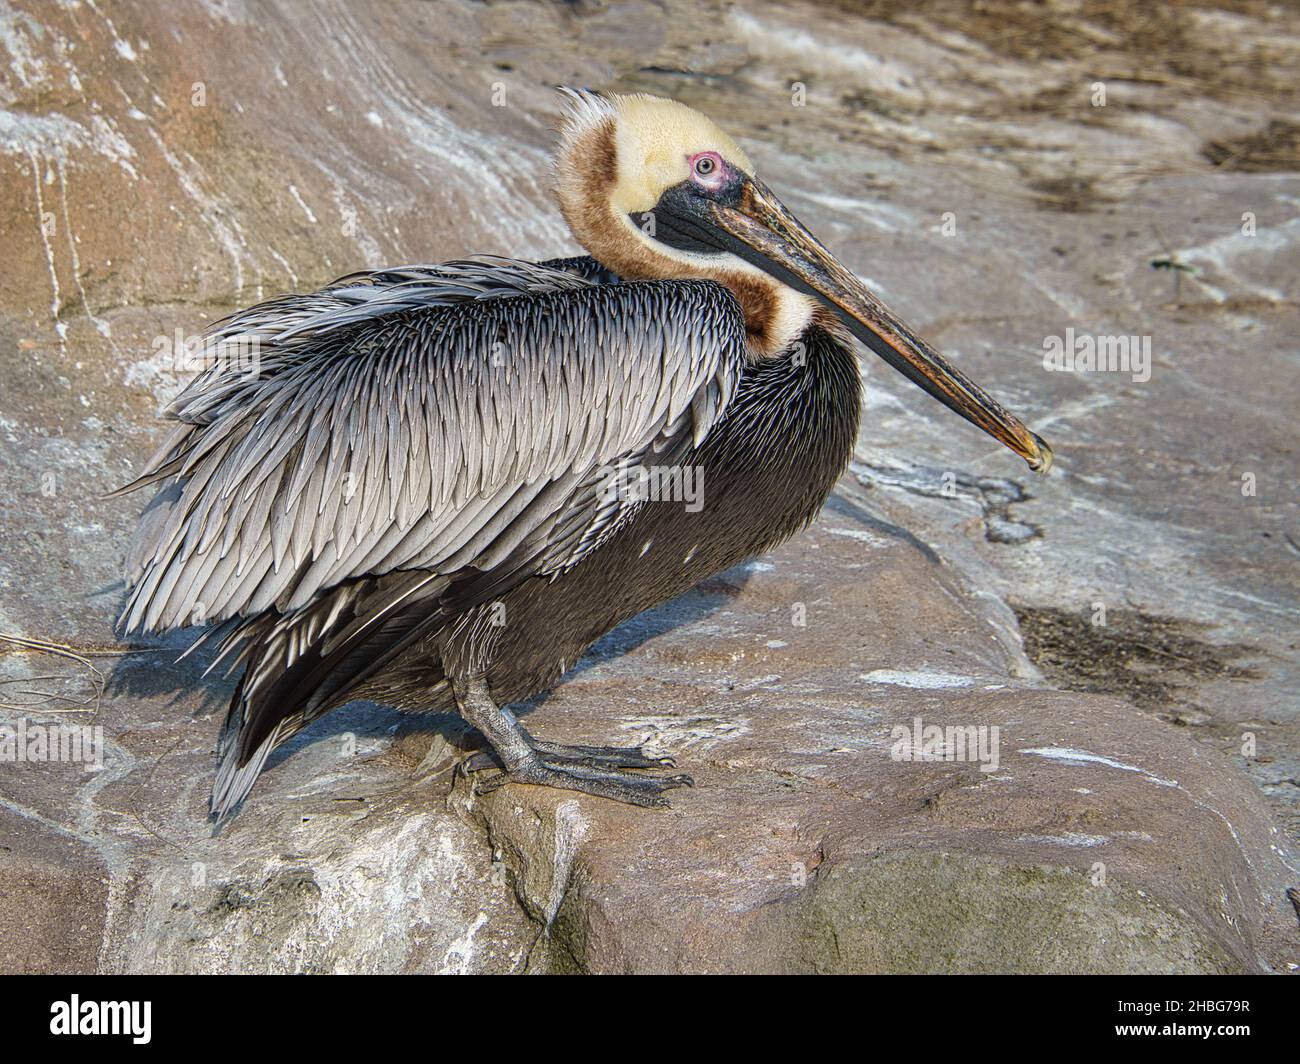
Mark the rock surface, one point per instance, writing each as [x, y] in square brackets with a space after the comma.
[159, 167]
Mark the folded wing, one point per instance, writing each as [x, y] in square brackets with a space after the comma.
[425, 418]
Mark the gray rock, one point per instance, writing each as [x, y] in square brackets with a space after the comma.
[57, 893]
[1101, 839]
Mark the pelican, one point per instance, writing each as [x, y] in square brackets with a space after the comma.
[415, 490]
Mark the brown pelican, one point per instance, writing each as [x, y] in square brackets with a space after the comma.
[415, 492]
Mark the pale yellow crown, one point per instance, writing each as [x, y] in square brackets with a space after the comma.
[654, 139]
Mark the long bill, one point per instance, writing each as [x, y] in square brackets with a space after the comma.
[781, 246]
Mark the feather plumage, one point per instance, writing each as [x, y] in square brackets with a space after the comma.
[353, 455]
[405, 418]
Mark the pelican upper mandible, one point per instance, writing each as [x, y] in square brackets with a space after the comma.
[425, 485]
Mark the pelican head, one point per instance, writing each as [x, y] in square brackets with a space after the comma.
[655, 190]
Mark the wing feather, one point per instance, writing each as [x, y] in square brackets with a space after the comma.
[424, 417]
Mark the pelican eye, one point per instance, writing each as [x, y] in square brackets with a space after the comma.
[704, 166]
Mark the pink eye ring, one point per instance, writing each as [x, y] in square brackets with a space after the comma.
[707, 167]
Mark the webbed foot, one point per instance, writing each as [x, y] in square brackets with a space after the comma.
[628, 787]
[598, 770]
[593, 756]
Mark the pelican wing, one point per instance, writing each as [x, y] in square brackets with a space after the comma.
[432, 418]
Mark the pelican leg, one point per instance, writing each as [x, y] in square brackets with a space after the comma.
[592, 770]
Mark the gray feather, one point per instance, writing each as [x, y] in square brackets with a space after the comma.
[449, 400]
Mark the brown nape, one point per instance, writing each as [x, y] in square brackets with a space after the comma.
[758, 301]
[586, 170]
